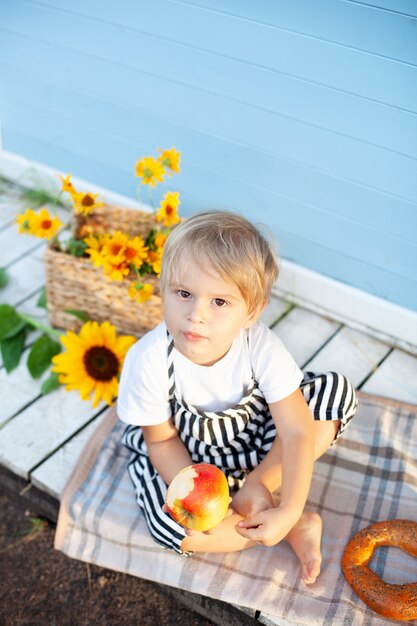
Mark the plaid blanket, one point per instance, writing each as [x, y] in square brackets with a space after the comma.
[369, 475]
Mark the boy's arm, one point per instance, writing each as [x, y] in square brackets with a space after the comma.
[168, 455]
[293, 449]
[166, 451]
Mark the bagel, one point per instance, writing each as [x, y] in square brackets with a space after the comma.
[398, 602]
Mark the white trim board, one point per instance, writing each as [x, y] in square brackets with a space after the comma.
[354, 307]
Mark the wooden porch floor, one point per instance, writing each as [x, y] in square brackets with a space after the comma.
[41, 436]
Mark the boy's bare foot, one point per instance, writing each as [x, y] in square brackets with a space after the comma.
[305, 539]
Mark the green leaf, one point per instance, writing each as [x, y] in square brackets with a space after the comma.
[50, 384]
[82, 315]
[40, 355]
[41, 303]
[40, 196]
[10, 322]
[4, 279]
[11, 350]
[76, 247]
[146, 268]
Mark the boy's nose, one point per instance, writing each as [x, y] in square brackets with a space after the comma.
[196, 313]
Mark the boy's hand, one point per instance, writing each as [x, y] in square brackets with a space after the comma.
[267, 527]
[252, 498]
[211, 531]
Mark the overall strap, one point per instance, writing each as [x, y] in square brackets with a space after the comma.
[170, 359]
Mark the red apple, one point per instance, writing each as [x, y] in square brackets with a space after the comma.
[198, 497]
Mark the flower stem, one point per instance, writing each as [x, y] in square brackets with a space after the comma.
[150, 198]
[55, 334]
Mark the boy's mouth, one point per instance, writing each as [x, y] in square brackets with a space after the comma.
[192, 336]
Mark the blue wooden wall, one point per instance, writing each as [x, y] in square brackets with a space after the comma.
[300, 114]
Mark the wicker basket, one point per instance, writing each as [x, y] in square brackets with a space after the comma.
[74, 283]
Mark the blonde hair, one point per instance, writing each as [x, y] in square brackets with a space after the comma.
[231, 245]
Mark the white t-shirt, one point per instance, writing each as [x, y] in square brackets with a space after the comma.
[143, 390]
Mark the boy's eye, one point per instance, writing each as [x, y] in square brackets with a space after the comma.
[219, 302]
[183, 294]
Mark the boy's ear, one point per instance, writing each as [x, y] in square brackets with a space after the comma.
[254, 316]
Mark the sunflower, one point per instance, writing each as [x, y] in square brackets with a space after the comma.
[141, 292]
[168, 210]
[40, 224]
[150, 171]
[84, 203]
[170, 159]
[92, 361]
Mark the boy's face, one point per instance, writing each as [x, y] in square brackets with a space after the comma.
[204, 313]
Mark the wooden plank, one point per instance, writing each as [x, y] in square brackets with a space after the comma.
[324, 103]
[217, 611]
[277, 54]
[351, 353]
[10, 206]
[20, 389]
[26, 277]
[273, 620]
[395, 378]
[304, 332]
[13, 245]
[37, 501]
[41, 429]
[53, 474]
[321, 189]
[29, 306]
[275, 309]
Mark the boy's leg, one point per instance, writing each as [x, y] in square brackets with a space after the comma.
[330, 397]
[332, 402]
[304, 538]
[150, 491]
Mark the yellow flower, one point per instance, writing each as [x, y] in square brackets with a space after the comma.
[168, 211]
[160, 239]
[48, 225]
[114, 247]
[116, 271]
[92, 361]
[84, 203]
[118, 253]
[155, 260]
[40, 224]
[135, 252]
[67, 185]
[170, 159]
[95, 245]
[28, 222]
[150, 170]
[139, 291]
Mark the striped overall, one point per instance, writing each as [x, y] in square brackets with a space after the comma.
[236, 440]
